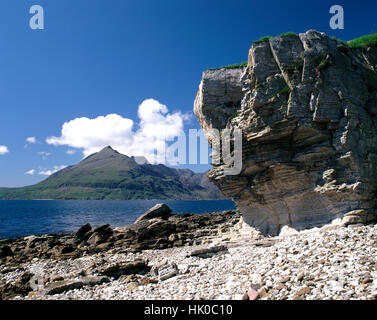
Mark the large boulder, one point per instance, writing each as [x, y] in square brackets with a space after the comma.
[160, 210]
[309, 126]
[83, 230]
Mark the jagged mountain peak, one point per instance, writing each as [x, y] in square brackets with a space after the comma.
[109, 174]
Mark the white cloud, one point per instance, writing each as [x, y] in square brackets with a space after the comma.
[71, 152]
[30, 172]
[31, 140]
[44, 154]
[45, 172]
[156, 126]
[3, 150]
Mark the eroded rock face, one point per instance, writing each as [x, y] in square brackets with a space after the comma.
[308, 114]
[218, 98]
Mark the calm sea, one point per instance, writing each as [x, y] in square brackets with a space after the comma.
[23, 218]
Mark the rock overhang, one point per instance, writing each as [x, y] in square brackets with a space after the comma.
[305, 106]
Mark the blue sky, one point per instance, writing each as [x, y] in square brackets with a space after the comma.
[100, 57]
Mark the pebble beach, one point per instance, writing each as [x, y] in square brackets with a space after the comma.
[330, 263]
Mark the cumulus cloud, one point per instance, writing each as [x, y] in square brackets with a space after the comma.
[45, 172]
[3, 150]
[155, 128]
[30, 172]
[31, 140]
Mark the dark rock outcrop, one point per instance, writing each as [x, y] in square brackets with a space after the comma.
[160, 210]
[21, 286]
[62, 286]
[158, 232]
[124, 268]
[83, 230]
[164, 230]
[6, 251]
[308, 116]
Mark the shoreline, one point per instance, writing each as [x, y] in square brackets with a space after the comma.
[58, 217]
[160, 232]
[219, 260]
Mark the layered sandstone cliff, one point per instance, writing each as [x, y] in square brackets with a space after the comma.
[307, 108]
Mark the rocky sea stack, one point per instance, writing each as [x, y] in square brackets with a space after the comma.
[307, 106]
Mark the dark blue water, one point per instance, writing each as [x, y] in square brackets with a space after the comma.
[23, 218]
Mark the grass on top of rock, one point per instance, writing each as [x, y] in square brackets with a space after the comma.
[231, 66]
[361, 42]
[263, 39]
[364, 41]
[286, 34]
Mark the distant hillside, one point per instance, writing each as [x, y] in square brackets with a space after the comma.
[111, 175]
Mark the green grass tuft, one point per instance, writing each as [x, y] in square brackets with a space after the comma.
[264, 39]
[361, 42]
[287, 34]
[231, 66]
[364, 41]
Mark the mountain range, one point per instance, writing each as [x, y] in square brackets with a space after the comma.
[109, 175]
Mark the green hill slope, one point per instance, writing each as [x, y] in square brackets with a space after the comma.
[111, 175]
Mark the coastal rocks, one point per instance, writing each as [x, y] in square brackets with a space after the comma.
[309, 150]
[62, 286]
[100, 235]
[251, 295]
[317, 264]
[125, 268]
[102, 248]
[178, 229]
[303, 291]
[155, 233]
[21, 286]
[67, 249]
[5, 251]
[56, 278]
[34, 241]
[158, 211]
[207, 252]
[83, 230]
[166, 271]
